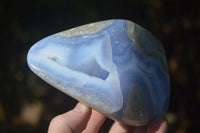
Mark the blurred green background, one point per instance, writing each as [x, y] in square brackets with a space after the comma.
[27, 104]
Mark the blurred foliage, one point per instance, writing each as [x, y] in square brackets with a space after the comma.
[22, 95]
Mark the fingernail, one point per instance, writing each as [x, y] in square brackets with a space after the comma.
[81, 108]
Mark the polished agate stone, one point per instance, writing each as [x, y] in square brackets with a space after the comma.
[116, 67]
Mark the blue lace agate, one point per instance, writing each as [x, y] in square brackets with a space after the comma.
[114, 66]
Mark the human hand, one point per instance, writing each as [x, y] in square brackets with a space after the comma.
[85, 120]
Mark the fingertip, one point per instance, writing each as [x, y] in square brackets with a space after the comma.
[159, 125]
[82, 108]
[57, 124]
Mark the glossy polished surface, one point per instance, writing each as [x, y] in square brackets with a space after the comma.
[114, 66]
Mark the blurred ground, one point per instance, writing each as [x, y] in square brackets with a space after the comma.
[27, 104]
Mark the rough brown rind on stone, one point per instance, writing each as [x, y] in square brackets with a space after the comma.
[86, 29]
[147, 42]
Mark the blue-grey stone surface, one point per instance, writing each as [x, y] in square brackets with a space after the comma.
[114, 66]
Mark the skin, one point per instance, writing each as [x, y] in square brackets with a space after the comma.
[84, 119]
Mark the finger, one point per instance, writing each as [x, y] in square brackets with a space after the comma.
[160, 125]
[74, 121]
[95, 122]
[121, 128]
